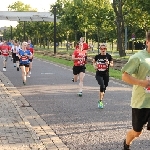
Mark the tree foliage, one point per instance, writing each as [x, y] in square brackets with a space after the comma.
[99, 20]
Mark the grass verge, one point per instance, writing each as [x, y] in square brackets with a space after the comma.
[89, 67]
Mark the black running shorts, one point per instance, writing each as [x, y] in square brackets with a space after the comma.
[26, 65]
[140, 117]
[78, 69]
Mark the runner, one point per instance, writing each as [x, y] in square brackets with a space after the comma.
[24, 56]
[31, 45]
[13, 49]
[5, 51]
[79, 58]
[84, 48]
[101, 63]
[136, 72]
[31, 60]
[18, 47]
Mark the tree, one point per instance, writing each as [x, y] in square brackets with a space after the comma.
[117, 6]
[20, 31]
[20, 6]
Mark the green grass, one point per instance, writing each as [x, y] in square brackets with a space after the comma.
[89, 67]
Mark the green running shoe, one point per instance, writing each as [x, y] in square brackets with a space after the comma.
[100, 104]
[80, 94]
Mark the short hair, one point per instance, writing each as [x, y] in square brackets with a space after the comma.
[102, 45]
[148, 36]
[24, 43]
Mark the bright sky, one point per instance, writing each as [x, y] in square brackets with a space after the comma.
[41, 5]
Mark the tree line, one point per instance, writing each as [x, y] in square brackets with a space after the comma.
[98, 20]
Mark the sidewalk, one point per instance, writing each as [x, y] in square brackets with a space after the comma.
[21, 128]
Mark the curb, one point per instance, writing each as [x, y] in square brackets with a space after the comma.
[42, 134]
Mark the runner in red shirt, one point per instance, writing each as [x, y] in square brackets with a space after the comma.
[31, 60]
[79, 58]
[5, 52]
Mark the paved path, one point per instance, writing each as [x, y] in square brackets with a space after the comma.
[55, 118]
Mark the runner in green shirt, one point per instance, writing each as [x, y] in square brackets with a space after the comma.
[137, 73]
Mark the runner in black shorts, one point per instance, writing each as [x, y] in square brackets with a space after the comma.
[137, 73]
[101, 63]
[79, 58]
[24, 56]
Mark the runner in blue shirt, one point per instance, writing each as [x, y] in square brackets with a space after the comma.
[24, 56]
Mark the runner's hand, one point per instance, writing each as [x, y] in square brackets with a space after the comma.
[106, 62]
[95, 67]
[145, 83]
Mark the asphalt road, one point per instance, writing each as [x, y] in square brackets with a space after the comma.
[77, 120]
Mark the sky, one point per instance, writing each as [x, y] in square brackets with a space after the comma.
[41, 5]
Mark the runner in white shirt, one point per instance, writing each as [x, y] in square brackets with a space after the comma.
[18, 47]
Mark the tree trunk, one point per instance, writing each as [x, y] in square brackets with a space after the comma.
[120, 27]
[98, 39]
[112, 45]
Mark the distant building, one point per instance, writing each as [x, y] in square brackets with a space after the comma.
[1, 32]
[3, 28]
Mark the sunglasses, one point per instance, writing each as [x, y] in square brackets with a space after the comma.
[103, 48]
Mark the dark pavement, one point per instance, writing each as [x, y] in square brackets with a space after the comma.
[76, 120]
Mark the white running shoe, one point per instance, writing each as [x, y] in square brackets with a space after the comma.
[28, 76]
[4, 69]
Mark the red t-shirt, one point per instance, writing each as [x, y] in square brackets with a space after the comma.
[32, 51]
[85, 46]
[79, 54]
[5, 50]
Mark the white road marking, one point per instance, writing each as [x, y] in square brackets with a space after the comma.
[47, 73]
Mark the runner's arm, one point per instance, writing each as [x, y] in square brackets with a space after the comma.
[111, 63]
[94, 64]
[73, 58]
[134, 81]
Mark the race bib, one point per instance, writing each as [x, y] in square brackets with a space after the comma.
[147, 90]
[24, 58]
[101, 67]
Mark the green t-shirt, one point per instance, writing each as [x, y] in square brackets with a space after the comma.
[138, 65]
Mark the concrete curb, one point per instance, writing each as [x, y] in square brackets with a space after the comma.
[42, 134]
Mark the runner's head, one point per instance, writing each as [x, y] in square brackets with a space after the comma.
[28, 46]
[103, 49]
[82, 39]
[24, 45]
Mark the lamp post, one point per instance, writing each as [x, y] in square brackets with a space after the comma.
[67, 39]
[54, 29]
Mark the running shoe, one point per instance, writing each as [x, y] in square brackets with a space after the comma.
[28, 76]
[72, 79]
[17, 69]
[4, 69]
[24, 83]
[126, 147]
[80, 94]
[100, 104]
